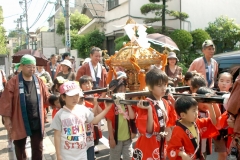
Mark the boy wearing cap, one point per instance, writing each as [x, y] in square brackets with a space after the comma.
[206, 65]
[69, 124]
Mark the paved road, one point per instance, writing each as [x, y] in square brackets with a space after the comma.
[49, 151]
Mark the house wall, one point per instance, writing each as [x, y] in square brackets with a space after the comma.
[201, 12]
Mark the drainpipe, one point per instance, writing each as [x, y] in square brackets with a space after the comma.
[180, 12]
[129, 8]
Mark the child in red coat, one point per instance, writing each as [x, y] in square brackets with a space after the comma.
[153, 120]
[185, 140]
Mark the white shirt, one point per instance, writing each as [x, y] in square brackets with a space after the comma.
[2, 73]
[73, 131]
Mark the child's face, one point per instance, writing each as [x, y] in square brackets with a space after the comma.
[188, 82]
[191, 114]
[121, 89]
[57, 104]
[203, 106]
[225, 83]
[71, 101]
[87, 86]
[159, 90]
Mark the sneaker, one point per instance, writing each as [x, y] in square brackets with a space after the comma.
[102, 122]
[9, 144]
[96, 150]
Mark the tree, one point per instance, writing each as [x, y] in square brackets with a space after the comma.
[15, 33]
[119, 42]
[77, 20]
[182, 38]
[84, 42]
[3, 41]
[160, 10]
[199, 36]
[225, 33]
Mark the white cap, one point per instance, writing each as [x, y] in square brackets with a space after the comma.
[71, 88]
[67, 63]
[121, 74]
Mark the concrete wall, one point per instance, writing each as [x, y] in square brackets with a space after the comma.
[47, 39]
[47, 52]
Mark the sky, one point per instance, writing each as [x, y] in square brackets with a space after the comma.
[12, 11]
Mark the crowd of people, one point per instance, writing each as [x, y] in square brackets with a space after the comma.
[174, 129]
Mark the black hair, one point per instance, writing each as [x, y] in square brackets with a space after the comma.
[53, 55]
[55, 82]
[226, 73]
[184, 103]
[198, 81]
[52, 98]
[61, 101]
[190, 75]
[205, 90]
[93, 49]
[156, 77]
[66, 54]
[85, 79]
[117, 84]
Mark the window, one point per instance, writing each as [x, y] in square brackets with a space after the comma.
[112, 4]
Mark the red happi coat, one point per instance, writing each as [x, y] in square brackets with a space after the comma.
[183, 140]
[222, 123]
[205, 114]
[147, 145]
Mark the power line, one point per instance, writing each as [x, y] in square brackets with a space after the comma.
[49, 15]
[11, 16]
[39, 15]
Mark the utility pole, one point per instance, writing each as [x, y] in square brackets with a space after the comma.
[163, 17]
[67, 27]
[17, 30]
[27, 29]
[21, 31]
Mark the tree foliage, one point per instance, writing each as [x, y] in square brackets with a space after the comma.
[84, 42]
[158, 10]
[3, 48]
[199, 36]
[182, 38]
[15, 33]
[119, 42]
[224, 32]
[77, 20]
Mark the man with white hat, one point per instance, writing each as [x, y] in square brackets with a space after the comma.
[206, 65]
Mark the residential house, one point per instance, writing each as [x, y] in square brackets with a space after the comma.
[52, 21]
[117, 12]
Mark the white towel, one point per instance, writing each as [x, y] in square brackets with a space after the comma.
[99, 71]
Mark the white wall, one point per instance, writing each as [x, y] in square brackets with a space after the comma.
[201, 12]
[47, 52]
